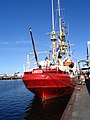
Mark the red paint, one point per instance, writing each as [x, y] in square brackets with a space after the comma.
[48, 83]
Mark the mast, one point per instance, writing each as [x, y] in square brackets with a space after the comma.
[53, 33]
[60, 21]
[53, 36]
[52, 17]
[59, 14]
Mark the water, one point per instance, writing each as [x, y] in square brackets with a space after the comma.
[18, 103]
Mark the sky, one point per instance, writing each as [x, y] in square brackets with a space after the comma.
[17, 16]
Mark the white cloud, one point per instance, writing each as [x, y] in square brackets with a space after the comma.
[4, 43]
[16, 42]
[23, 42]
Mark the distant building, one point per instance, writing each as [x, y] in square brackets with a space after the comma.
[88, 51]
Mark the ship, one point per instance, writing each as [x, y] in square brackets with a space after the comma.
[55, 75]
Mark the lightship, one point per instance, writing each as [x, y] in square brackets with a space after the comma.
[54, 76]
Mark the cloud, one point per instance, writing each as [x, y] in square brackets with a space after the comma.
[4, 43]
[16, 42]
[23, 42]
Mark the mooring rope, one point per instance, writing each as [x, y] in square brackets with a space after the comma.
[60, 81]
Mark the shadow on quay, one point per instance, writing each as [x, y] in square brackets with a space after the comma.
[88, 85]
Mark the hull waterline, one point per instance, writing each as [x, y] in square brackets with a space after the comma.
[49, 85]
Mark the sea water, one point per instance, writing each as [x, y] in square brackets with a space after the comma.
[18, 103]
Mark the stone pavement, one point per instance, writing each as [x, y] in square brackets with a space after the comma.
[81, 109]
[78, 107]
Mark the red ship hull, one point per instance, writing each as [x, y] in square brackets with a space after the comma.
[48, 83]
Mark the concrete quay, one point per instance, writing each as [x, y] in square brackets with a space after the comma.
[78, 107]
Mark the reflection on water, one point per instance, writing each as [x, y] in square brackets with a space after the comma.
[47, 110]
